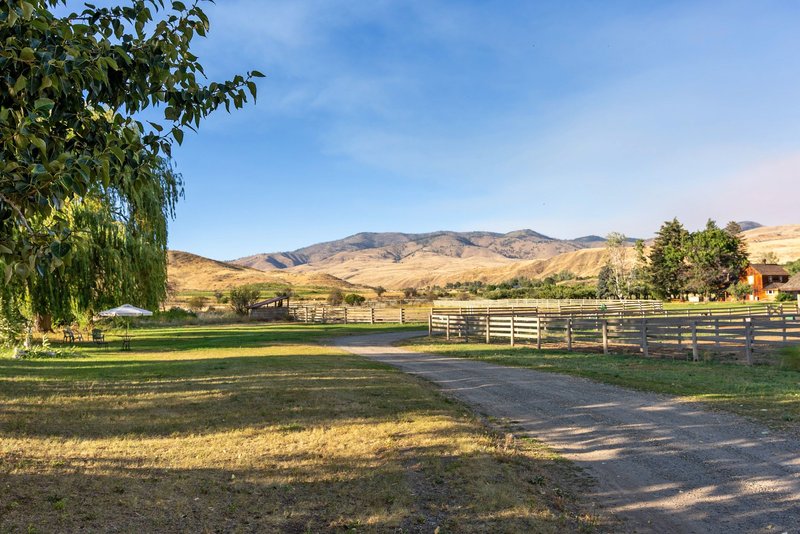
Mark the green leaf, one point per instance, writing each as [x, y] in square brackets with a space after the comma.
[9, 272]
[5, 250]
[39, 143]
[178, 6]
[20, 85]
[26, 54]
[44, 103]
[256, 74]
[177, 133]
[27, 11]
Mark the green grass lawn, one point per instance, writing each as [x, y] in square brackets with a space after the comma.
[252, 428]
[769, 394]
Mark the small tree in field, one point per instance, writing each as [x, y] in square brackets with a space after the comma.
[739, 290]
[242, 297]
[354, 299]
[379, 291]
[335, 297]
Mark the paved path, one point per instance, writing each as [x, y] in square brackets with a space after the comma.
[662, 465]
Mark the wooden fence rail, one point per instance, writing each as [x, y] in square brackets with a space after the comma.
[706, 334]
[352, 315]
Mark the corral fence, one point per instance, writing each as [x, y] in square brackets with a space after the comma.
[355, 314]
[742, 336]
[548, 305]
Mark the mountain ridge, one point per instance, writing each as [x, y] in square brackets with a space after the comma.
[524, 244]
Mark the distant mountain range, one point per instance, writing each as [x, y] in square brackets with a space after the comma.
[396, 247]
[398, 260]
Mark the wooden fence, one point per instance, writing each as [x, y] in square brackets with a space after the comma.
[348, 314]
[548, 305]
[712, 334]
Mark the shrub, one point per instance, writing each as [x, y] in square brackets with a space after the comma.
[784, 297]
[242, 297]
[354, 299]
[335, 297]
[197, 303]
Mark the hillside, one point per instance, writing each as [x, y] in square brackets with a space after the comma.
[397, 260]
[398, 247]
[188, 271]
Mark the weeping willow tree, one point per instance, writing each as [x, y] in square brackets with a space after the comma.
[85, 190]
[116, 252]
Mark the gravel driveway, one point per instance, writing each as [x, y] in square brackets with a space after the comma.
[662, 465]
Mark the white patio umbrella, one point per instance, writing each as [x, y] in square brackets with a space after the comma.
[126, 310]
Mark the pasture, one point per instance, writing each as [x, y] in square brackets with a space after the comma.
[260, 428]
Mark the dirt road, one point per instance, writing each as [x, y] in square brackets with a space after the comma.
[662, 465]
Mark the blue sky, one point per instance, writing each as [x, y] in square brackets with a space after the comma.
[568, 118]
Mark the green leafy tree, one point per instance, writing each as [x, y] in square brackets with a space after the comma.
[667, 268]
[717, 258]
[354, 299]
[793, 267]
[85, 186]
[740, 290]
[242, 297]
[379, 291]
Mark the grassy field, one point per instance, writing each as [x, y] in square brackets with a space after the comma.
[260, 428]
[769, 394]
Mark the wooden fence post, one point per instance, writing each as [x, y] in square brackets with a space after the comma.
[716, 332]
[748, 347]
[512, 329]
[402, 316]
[538, 331]
[605, 336]
[695, 351]
[372, 316]
[783, 326]
[488, 329]
[569, 335]
[447, 328]
[645, 349]
[430, 324]
[345, 315]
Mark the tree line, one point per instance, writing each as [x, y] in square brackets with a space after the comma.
[708, 262]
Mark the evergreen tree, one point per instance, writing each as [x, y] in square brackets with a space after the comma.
[667, 268]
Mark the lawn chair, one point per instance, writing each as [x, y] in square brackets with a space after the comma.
[69, 336]
[99, 338]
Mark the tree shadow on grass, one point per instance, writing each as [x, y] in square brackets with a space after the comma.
[160, 398]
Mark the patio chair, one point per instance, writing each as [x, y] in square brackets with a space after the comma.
[99, 338]
[69, 336]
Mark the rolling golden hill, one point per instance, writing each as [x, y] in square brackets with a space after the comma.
[442, 258]
[188, 271]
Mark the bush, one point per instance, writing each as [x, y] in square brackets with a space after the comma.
[785, 297]
[174, 314]
[335, 298]
[354, 300]
[197, 303]
[243, 297]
